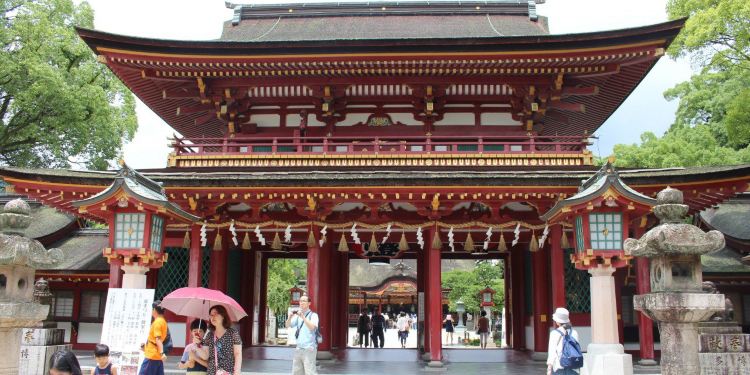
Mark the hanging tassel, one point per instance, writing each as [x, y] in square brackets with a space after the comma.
[436, 243]
[533, 244]
[276, 244]
[469, 243]
[372, 247]
[343, 246]
[246, 242]
[217, 242]
[186, 241]
[501, 246]
[402, 244]
[564, 241]
[310, 239]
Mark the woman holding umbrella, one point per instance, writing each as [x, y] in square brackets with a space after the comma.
[222, 346]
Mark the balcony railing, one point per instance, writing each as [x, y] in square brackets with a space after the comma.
[363, 145]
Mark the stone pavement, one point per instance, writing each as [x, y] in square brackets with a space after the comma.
[520, 365]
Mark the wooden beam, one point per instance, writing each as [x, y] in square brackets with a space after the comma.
[579, 91]
[570, 107]
[188, 109]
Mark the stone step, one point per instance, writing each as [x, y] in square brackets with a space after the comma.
[724, 363]
[42, 336]
[724, 343]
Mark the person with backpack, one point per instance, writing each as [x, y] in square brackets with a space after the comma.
[564, 355]
[305, 324]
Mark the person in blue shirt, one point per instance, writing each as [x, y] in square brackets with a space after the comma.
[304, 324]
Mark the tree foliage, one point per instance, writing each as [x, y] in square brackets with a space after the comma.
[712, 122]
[466, 285]
[281, 278]
[58, 105]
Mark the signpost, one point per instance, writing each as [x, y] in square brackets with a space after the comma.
[127, 319]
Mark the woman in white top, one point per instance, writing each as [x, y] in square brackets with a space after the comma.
[561, 317]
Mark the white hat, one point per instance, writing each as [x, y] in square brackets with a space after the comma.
[561, 315]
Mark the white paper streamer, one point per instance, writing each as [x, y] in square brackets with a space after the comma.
[544, 235]
[204, 238]
[355, 236]
[420, 239]
[517, 232]
[486, 244]
[450, 240]
[323, 233]
[387, 233]
[288, 234]
[258, 234]
[233, 230]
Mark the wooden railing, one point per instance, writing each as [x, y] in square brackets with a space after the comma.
[363, 145]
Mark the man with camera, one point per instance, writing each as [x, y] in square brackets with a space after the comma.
[305, 324]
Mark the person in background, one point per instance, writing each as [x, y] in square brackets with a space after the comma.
[448, 326]
[103, 365]
[403, 325]
[483, 329]
[190, 361]
[153, 351]
[561, 317]
[64, 362]
[378, 329]
[363, 328]
[305, 322]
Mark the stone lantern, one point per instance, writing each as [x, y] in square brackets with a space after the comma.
[676, 300]
[19, 257]
[601, 212]
[137, 211]
[460, 309]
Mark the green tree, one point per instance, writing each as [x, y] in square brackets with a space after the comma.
[58, 105]
[281, 278]
[466, 285]
[712, 108]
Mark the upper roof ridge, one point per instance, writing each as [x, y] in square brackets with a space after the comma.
[372, 8]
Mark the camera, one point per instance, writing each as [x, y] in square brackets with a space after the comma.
[294, 312]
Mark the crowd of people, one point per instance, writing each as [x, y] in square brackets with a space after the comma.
[372, 328]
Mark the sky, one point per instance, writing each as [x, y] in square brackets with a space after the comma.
[644, 110]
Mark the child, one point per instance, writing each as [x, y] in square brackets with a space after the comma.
[103, 365]
[192, 363]
[64, 362]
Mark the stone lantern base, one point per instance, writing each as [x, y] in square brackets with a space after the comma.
[606, 359]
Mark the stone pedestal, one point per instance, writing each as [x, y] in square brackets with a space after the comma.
[11, 339]
[678, 314]
[134, 277]
[723, 349]
[37, 346]
[605, 354]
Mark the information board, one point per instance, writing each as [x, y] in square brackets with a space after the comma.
[127, 319]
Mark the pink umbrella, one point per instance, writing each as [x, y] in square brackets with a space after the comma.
[197, 301]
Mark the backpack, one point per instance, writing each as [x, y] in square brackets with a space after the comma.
[167, 344]
[571, 357]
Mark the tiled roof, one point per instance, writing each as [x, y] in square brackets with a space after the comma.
[83, 251]
[382, 27]
[383, 20]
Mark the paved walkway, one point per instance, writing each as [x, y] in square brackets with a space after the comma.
[404, 362]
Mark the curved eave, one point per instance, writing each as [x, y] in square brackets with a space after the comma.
[611, 182]
[663, 31]
[118, 186]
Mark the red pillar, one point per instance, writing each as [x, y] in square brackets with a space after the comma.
[218, 275]
[248, 288]
[645, 325]
[115, 277]
[195, 267]
[517, 303]
[557, 269]
[319, 289]
[421, 277]
[195, 262]
[540, 264]
[263, 298]
[508, 322]
[435, 308]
